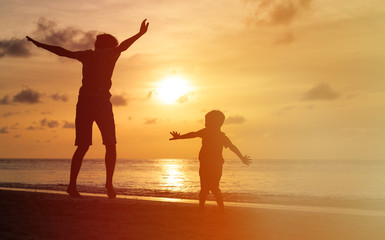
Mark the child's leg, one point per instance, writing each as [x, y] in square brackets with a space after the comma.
[217, 174]
[205, 189]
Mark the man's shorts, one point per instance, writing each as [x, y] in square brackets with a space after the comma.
[88, 110]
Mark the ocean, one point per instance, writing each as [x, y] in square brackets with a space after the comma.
[179, 178]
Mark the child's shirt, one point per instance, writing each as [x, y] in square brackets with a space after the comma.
[213, 142]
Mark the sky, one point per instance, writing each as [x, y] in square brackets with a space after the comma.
[296, 79]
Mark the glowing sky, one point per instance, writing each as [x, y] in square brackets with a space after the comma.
[296, 78]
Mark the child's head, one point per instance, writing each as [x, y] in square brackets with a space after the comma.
[214, 119]
[105, 41]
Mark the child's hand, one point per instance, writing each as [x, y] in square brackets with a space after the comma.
[175, 135]
[246, 160]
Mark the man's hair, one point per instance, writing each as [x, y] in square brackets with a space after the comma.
[105, 41]
[215, 118]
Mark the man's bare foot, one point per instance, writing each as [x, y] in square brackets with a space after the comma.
[111, 191]
[73, 192]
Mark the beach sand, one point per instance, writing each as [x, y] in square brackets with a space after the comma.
[36, 215]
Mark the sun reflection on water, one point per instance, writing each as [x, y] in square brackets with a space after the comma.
[172, 178]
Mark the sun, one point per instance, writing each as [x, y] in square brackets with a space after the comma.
[173, 89]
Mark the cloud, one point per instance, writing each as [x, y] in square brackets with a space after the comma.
[48, 112]
[151, 121]
[285, 38]
[237, 119]
[149, 95]
[279, 12]
[118, 100]
[70, 37]
[32, 128]
[49, 123]
[4, 130]
[58, 97]
[24, 96]
[322, 91]
[5, 100]
[14, 48]
[15, 126]
[183, 98]
[48, 31]
[27, 96]
[68, 125]
[283, 110]
[9, 114]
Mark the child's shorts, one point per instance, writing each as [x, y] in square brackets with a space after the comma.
[210, 174]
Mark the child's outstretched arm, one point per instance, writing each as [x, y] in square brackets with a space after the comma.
[244, 158]
[176, 135]
[128, 42]
[54, 49]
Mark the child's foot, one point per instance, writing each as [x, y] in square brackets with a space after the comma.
[73, 192]
[111, 191]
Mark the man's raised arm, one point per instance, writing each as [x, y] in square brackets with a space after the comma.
[54, 49]
[128, 42]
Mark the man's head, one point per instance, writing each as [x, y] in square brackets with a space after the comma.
[214, 119]
[105, 41]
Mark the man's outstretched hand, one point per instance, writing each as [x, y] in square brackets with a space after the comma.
[33, 41]
[143, 27]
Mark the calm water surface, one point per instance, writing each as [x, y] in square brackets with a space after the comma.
[347, 179]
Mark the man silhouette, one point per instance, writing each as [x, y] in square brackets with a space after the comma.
[94, 100]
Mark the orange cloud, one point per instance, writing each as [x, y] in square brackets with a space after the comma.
[14, 48]
[68, 124]
[277, 12]
[49, 123]
[47, 31]
[322, 91]
[58, 97]
[4, 130]
[27, 96]
[118, 100]
[237, 119]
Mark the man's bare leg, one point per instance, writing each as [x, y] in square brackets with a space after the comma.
[218, 196]
[110, 160]
[76, 163]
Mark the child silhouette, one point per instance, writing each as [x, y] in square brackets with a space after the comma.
[94, 100]
[210, 155]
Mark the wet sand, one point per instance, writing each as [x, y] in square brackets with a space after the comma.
[36, 215]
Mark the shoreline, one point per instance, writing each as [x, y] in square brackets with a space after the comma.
[267, 199]
[36, 215]
[314, 209]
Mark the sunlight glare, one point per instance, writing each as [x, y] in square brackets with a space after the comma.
[173, 89]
